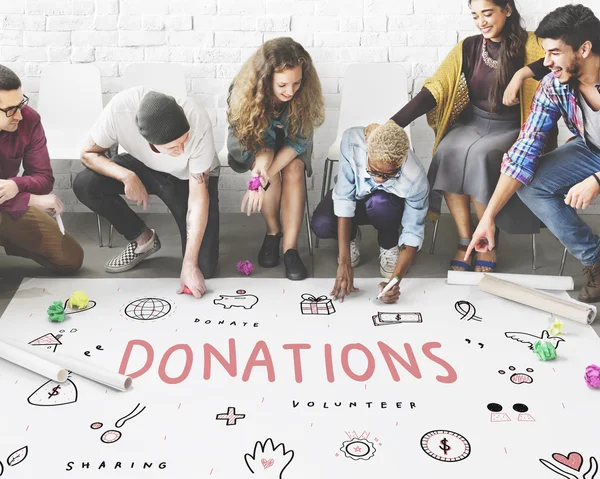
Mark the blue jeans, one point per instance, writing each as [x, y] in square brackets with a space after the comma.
[556, 173]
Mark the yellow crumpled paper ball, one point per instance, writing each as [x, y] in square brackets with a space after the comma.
[78, 300]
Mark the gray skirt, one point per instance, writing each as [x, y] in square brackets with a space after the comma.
[468, 161]
[241, 163]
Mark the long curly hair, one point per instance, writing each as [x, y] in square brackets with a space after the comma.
[512, 52]
[251, 101]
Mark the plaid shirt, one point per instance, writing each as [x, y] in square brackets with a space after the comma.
[552, 100]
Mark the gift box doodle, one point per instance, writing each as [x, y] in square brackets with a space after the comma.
[316, 305]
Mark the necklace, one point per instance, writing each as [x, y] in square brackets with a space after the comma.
[486, 58]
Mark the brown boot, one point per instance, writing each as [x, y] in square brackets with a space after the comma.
[590, 293]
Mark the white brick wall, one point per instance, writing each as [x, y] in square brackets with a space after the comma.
[211, 38]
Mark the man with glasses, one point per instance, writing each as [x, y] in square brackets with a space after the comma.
[26, 228]
[555, 185]
[168, 152]
[381, 183]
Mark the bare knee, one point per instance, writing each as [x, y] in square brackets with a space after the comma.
[294, 171]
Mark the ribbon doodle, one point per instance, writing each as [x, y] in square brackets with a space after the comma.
[310, 297]
[467, 310]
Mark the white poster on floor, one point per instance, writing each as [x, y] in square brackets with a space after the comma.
[272, 379]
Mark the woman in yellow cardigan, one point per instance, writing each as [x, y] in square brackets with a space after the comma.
[473, 128]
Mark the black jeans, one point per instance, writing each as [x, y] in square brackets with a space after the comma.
[102, 195]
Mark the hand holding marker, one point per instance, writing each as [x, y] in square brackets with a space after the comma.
[388, 286]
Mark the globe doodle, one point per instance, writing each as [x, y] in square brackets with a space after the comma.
[148, 309]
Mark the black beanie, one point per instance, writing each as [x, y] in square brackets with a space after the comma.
[160, 119]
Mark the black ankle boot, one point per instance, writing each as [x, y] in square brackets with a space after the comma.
[268, 256]
[294, 267]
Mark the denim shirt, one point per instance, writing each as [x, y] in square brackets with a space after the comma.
[353, 183]
[245, 157]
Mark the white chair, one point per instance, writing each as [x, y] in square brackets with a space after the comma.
[364, 101]
[223, 154]
[167, 78]
[70, 102]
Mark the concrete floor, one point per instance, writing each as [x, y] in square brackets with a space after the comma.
[241, 237]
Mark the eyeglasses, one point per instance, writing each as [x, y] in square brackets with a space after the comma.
[11, 111]
[384, 176]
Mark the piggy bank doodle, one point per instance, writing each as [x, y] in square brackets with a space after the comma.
[239, 300]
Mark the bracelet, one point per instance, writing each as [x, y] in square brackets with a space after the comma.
[596, 178]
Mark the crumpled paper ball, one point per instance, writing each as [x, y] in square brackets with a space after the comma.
[56, 312]
[254, 184]
[78, 300]
[545, 350]
[245, 267]
[592, 376]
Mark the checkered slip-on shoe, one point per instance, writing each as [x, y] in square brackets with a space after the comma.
[132, 255]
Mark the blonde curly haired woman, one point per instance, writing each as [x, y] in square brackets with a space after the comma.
[274, 105]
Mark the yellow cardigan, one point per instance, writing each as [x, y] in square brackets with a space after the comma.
[449, 88]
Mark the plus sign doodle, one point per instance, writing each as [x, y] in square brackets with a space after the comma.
[467, 310]
[230, 416]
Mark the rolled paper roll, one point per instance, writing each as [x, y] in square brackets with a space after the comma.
[30, 361]
[82, 368]
[566, 308]
[552, 283]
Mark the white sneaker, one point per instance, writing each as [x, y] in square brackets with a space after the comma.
[354, 250]
[387, 261]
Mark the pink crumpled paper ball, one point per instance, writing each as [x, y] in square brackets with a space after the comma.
[245, 267]
[592, 376]
[254, 184]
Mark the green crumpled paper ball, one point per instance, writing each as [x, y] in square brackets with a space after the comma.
[56, 312]
[545, 350]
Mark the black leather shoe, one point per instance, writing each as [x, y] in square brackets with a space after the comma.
[268, 256]
[294, 267]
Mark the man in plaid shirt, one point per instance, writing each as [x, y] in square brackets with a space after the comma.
[554, 185]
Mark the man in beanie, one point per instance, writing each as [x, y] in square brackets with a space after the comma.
[170, 153]
[381, 183]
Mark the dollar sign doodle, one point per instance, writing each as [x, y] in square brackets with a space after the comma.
[54, 392]
[445, 447]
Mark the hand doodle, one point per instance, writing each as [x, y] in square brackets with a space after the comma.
[268, 461]
[572, 466]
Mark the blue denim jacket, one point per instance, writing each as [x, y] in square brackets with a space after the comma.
[354, 183]
[244, 157]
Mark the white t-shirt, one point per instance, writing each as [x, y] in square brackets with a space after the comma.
[116, 125]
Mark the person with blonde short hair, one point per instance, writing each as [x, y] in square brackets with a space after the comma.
[380, 183]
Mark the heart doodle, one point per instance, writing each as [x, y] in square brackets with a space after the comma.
[266, 464]
[573, 461]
